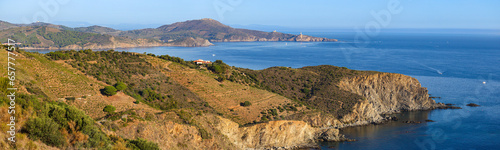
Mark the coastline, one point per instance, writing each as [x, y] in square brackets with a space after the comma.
[166, 45]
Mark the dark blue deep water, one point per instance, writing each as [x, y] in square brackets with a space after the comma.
[461, 67]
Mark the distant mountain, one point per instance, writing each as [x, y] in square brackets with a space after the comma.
[215, 31]
[192, 33]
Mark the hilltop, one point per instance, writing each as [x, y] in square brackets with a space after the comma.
[192, 33]
[169, 103]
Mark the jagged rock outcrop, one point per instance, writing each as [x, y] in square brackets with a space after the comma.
[273, 134]
[385, 93]
[285, 134]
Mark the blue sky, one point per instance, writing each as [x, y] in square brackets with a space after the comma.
[483, 14]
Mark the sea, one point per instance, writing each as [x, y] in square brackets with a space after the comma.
[458, 66]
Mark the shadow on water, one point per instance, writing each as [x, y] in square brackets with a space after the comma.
[390, 135]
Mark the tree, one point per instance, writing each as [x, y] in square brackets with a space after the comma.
[218, 67]
[109, 109]
[120, 86]
[109, 91]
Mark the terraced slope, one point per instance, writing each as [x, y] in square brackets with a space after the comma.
[226, 97]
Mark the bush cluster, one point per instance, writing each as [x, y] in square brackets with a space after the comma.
[57, 117]
[245, 104]
[142, 144]
[218, 67]
[109, 91]
[109, 109]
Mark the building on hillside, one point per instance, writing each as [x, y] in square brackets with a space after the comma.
[201, 61]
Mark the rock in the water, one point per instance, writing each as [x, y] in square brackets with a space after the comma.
[394, 118]
[447, 106]
[428, 120]
[473, 105]
[333, 135]
[412, 122]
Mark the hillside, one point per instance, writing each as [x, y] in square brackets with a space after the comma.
[170, 103]
[57, 37]
[315, 86]
[5, 25]
[192, 33]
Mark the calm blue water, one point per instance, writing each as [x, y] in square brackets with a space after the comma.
[452, 65]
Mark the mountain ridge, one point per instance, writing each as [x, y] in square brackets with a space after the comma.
[191, 33]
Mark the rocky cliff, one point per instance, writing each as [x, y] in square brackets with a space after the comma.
[276, 134]
[190, 42]
[385, 93]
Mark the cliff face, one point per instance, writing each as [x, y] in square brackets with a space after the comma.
[385, 93]
[274, 134]
[190, 42]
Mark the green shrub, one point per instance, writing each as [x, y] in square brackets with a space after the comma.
[56, 113]
[44, 129]
[274, 112]
[109, 109]
[245, 104]
[204, 134]
[109, 91]
[305, 90]
[120, 86]
[142, 144]
[221, 78]
[263, 118]
[61, 114]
